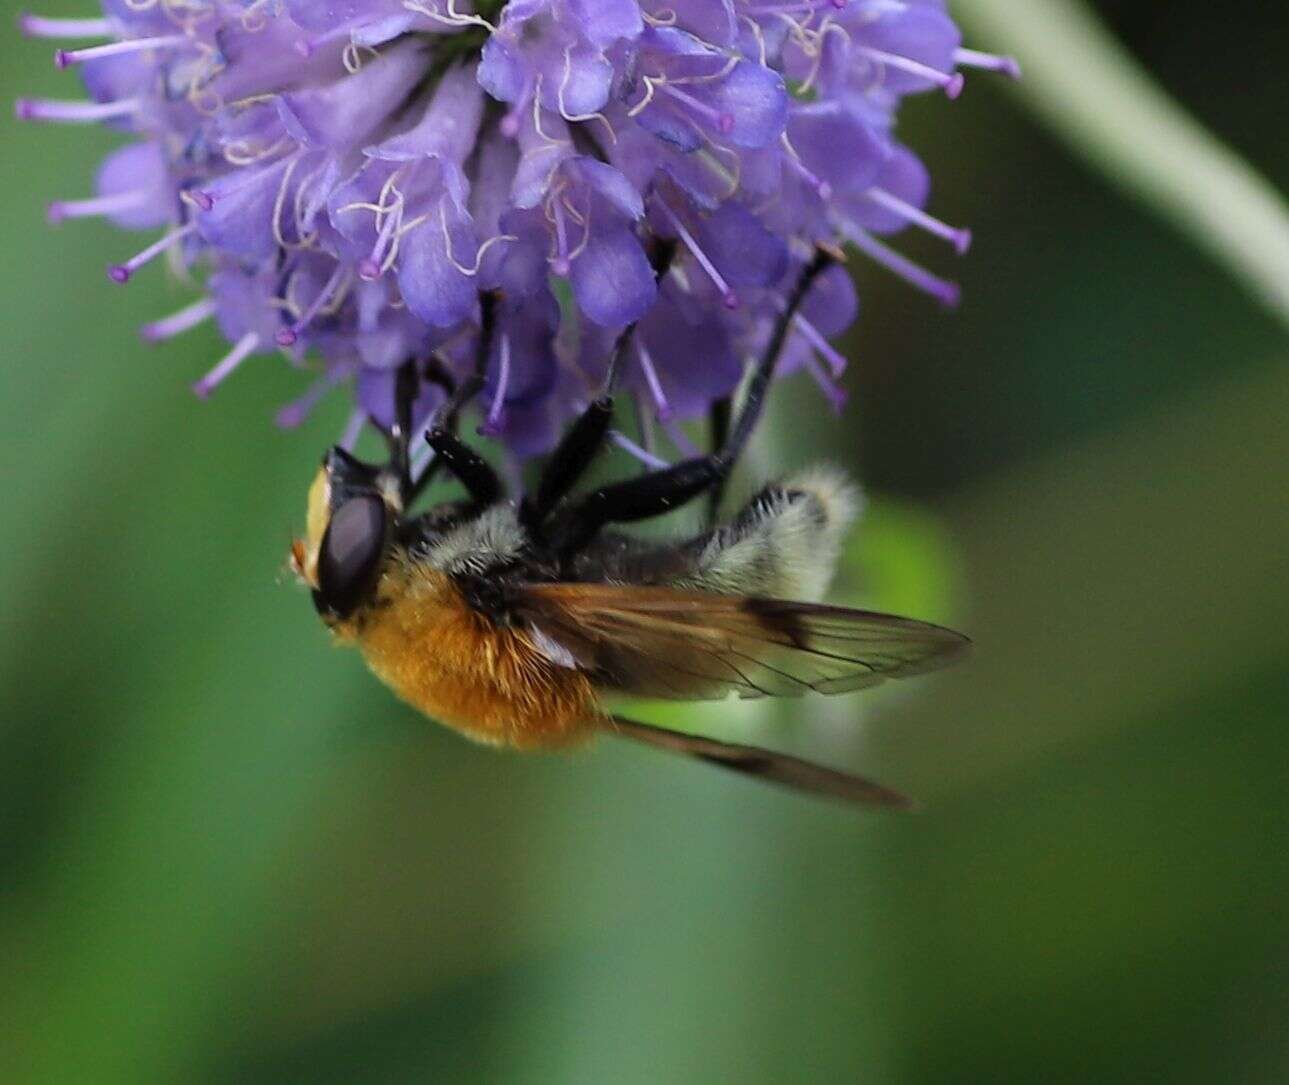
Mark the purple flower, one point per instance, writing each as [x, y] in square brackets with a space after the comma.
[348, 176]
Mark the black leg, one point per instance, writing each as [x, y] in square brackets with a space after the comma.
[459, 395]
[583, 442]
[466, 466]
[757, 387]
[658, 492]
[569, 461]
[436, 372]
[406, 385]
[718, 421]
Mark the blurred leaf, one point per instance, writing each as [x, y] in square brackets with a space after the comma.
[1093, 93]
[901, 559]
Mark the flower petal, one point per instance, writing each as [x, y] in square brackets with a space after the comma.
[612, 280]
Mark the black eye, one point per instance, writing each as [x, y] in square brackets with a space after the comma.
[351, 553]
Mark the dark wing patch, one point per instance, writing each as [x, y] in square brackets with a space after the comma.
[777, 768]
[655, 642]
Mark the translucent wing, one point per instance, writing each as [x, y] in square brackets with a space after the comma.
[655, 642]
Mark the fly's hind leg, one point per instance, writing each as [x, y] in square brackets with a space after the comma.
[784, 543]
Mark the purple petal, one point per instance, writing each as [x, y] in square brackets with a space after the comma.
[245, 305]
[836, 145]
[603, 22]
[242, 205]
[578, 83]
[756, 100]
[138, 167]
[612, 279]
[904, 177]
[742, 249]
[922, 33]
[447, 129]
[612, 186]
[346, 113]
[435, 289]
[832, 305]
[713, 21]
[503, 72]
[375, 394]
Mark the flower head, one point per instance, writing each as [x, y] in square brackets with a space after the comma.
[350, 177]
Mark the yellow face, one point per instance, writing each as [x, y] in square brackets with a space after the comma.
[304, 552]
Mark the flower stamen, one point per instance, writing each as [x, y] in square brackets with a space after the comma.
[121, 273]
[247, 345]
[295, 412]
[65, 58]
[662, 408]
[991, 62]
[38, 26]
[288, 337]
[654, 463]
[950, 82]
[73, 111]
[728, 297]
[61, 210]
[178, 323]
[492, 423]
[958, 237]
[942, 290]
[836, 360]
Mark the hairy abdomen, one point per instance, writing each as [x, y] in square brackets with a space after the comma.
[456, 666]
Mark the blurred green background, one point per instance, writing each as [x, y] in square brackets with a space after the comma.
[226, 854]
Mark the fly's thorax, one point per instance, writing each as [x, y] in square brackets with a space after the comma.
[431, 644]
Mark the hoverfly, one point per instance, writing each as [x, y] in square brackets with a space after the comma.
[509, 621]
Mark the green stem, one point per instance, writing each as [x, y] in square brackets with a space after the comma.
[1088, 89]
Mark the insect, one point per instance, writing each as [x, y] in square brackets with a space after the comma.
[511, 621]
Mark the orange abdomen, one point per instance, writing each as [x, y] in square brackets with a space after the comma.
[452, 663]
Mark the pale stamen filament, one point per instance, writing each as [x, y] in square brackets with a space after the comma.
[946, 292]
[661, 407]
[654, 463]
[537, 118]
[732, 175]
[37, 26]
[242, 349]
[836, 360]
[470, 270]
[492, 423]
[65, 111]
[711, 77]
[576, 117]
[121, 273]
[728, 296]
[452, 18]
[759, 35]
[665, 17]
[959, 238]
[65, 58]
[177, 323]
[651, 86]
[353, 430]
[279, 203]
[253, 18]
[62, 210]
[950, 82]
[240, 152]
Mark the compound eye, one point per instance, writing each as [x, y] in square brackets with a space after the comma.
[350, 555]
